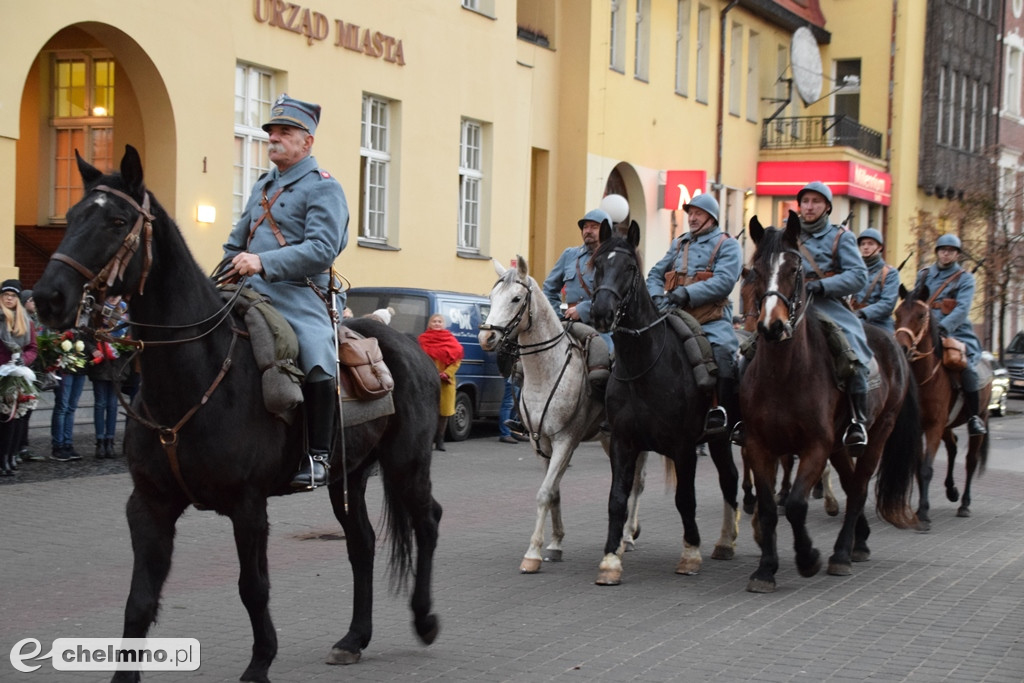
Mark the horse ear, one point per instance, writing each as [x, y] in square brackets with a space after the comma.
[792, 228]
[756, 229]
[498, 268]
[89, 173]
[633, 235]
[521, 268]
[922, 292]
[903, 291]
[131, 171]
[606, 231]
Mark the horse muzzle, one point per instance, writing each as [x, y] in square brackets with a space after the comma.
[489, 337]
[777, 330]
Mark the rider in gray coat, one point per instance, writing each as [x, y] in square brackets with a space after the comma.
[948, 281]
[877, 300]
[294, 226]
[703, 266]
[834, 270]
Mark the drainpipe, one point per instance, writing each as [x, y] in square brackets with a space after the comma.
[721, 96]
[889, 114]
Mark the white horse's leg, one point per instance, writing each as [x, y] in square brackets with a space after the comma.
[546, 496]
[632, 528]
[725, 546]
[831, 502]
[553, 551]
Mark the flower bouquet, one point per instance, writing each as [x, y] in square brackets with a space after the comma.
[17, 390]
[60, 351]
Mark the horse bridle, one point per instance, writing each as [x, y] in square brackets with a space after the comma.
[795, 307]
[913, 354]
[509, 343]
[624, 299]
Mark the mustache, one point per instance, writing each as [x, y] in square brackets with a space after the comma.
[275, 147]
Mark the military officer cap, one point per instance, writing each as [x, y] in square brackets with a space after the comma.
[288, 111]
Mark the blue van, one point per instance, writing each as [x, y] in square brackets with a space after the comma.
[479, 385]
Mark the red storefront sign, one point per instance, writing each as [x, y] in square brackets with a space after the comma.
[786, 178]
[682, 186]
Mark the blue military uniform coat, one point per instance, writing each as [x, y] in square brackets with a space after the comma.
[851, 275]
[956, 324]
[880, 295]
[312, 215]
[572, 271]
[726, 268]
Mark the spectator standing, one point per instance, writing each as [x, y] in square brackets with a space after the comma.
[107, 369]
[18, 345]
[445, 350]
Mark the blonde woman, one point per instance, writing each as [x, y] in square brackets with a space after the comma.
[446, 352]
[17, 340]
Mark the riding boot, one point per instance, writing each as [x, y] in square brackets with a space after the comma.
[975, 425]
[320, 399]
[717, 419]
[442, 424]
[856, 436]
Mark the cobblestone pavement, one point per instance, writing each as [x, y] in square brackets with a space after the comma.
[942, 606]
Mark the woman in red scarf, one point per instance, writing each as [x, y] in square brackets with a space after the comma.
[446, 352]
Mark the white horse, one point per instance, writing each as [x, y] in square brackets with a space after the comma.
[555, 403]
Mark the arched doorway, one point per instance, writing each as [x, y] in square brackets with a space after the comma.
[91, 88]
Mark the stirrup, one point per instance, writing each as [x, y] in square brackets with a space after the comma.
[316, 474]
[737, 436]
[716, 421]
[976, 426]
[855, 435]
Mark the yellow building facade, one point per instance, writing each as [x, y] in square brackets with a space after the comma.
[498, 122]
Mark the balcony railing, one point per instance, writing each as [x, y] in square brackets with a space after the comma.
[801, 132]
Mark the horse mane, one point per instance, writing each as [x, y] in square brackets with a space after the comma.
[920, 293]
[769, 245]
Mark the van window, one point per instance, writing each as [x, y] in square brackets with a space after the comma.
[411, 312]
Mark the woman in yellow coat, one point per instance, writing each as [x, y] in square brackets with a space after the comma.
[446, 352]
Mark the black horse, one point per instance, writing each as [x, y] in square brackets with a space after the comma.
[653, 404]
[201, 435]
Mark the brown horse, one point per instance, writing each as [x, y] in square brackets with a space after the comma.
[793, 351]
[823, 489]
[942, 405]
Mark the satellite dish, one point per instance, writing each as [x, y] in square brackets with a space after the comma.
[806, 61]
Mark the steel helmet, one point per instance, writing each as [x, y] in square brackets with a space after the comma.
[597, 215]
[871, 234]
[819, 187]
[704, 202]
[948, 240]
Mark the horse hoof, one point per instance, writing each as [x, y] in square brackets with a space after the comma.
[860, 555]
[609, 577]
[530, 565]
[688, 567]
[831, 509]
[253, 676]
[811, 568]
[429, 631]
[722, 552]
[923, 526]
[748, 507]
[629, 544]
[760, 586]
[551, 555]
[952, 494]
[963, 512]
[339, 656]
[839, 569]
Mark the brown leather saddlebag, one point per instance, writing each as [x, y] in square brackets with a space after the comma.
[954, 354]
[368, 375]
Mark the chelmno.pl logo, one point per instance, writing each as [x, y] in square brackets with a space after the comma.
[109, 654]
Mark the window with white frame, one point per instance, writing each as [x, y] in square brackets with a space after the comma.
[254, 93]
[703, 52]
[375, 157]
[642, 57]
[1013, 80]
[82, 119]
[470, 184]
[753, 77]
[682, 47]
[736, 69]
[617, 39]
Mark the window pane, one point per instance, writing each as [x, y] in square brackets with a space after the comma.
[103, 88]
[103, 149]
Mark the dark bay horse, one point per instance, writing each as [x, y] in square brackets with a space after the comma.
[791, 404]
[653, 404]
[942, 405]
[200, 433]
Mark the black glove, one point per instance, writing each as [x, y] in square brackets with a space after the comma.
[860, 314]
[679, 297]
[815, 287]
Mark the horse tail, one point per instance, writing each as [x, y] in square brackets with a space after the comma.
[398, 523]
[900, 460]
